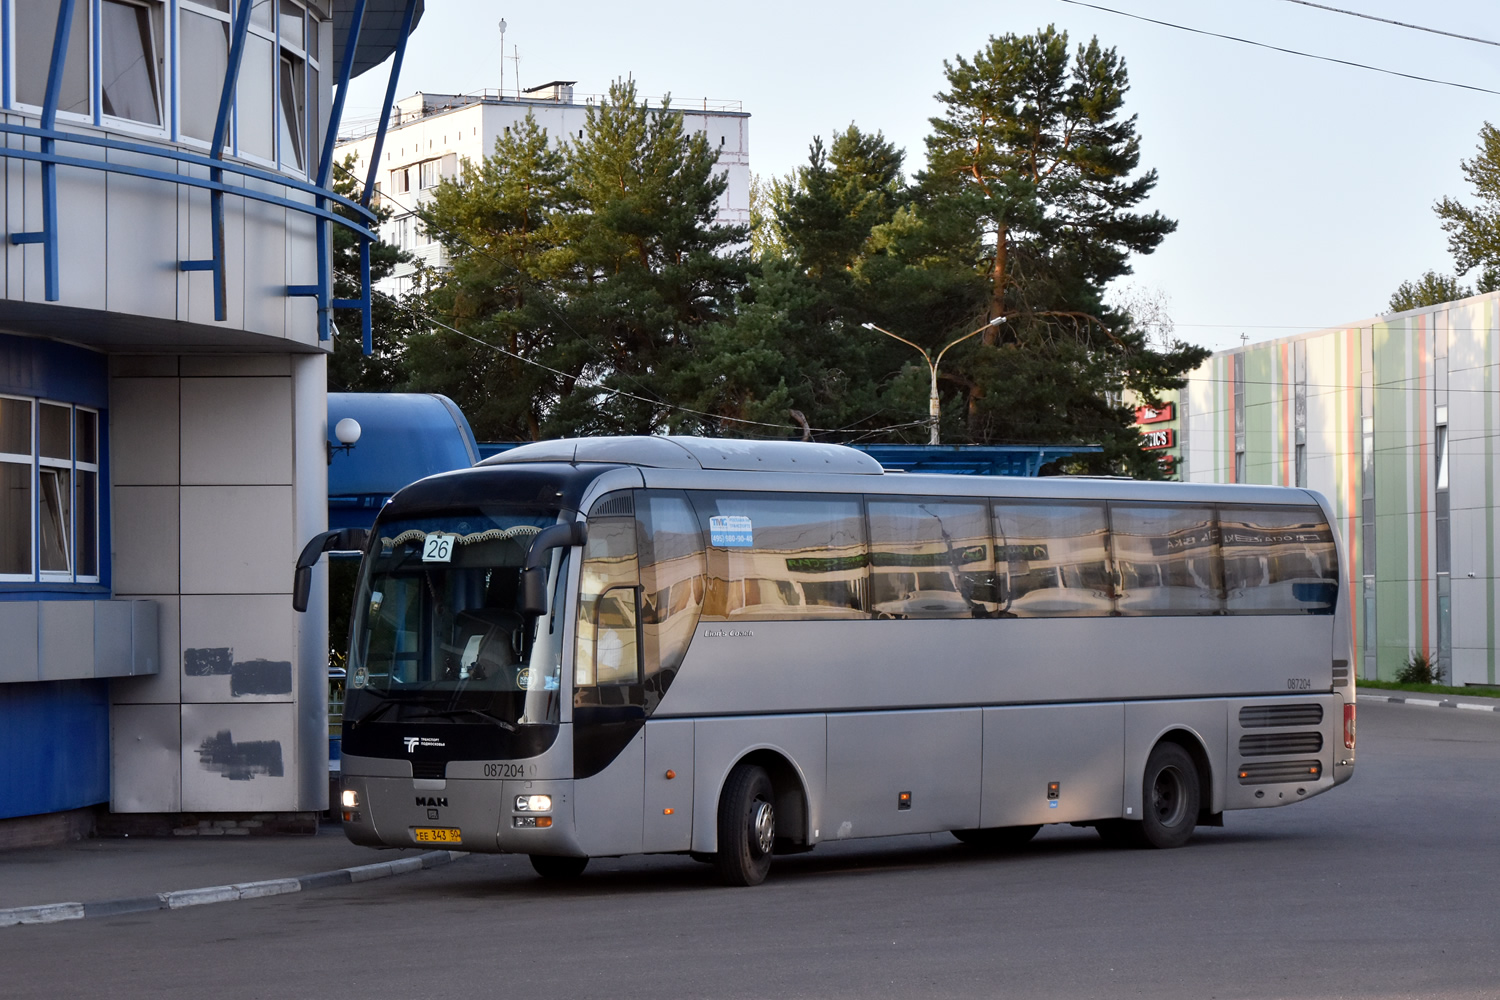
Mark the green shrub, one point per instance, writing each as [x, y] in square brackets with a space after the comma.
[1419, 669]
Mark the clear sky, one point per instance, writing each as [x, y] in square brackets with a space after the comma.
[1303, 189]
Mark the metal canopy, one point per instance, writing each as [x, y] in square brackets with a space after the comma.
[379, 34]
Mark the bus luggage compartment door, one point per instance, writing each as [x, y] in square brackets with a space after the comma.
[669, 786]
[902, 772]
[1028, 748]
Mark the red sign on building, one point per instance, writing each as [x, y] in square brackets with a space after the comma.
[1154, 414]
[1164, 438]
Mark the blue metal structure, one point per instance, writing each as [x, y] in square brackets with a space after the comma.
[360, 219]
[404, 437]
[973, 459]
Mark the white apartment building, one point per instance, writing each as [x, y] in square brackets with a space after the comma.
[430, 134]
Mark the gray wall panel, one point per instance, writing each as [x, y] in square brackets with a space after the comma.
[236, 430]
[143, 416]
[310, 630]
[145, 539]
[239, 758]
[145, 758]
[141, 242]
[165, 686]
[236, 648]
[19, 627]
[81, 215]
[114, 638]
[237, 539]
[66, 646]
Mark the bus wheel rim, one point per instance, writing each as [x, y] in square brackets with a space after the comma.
[763, 827]
[1166, 795]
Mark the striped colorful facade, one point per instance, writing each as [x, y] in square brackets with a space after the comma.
[1395, 421]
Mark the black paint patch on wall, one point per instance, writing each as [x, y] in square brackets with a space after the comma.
[207, 662]
[261, 677]
[240, 761]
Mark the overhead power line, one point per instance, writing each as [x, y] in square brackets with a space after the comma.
[1290, 52]
[1399, 24]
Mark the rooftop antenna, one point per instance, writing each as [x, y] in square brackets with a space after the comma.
[502, 59]
[517, 58]
[1244, 340]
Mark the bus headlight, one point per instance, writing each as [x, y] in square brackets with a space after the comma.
[534, 803]
[350, 799]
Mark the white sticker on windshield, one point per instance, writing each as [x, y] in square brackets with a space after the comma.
[731, 531]
[438, 547]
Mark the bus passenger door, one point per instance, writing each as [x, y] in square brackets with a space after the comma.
[669, 785]
[609, 703]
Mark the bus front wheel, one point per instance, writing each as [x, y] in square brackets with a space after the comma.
[1169, 796]
[747, 827]
[560, 869]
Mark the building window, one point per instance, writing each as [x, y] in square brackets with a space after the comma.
[130, 60]
[36, 25]
[298, 86]
[50, 452]
[431, 173]
[204, 32]
[401, 180]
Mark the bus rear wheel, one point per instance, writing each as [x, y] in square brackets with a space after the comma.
[1170, 797]
[560, 869]
[747, 827]
[1000, 838]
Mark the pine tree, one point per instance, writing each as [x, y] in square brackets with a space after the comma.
[654, 266]
[507, 226]
[393, 319]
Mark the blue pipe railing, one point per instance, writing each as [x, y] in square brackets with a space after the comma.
[324, 206]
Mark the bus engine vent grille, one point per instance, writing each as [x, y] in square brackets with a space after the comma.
[618, 505]
[1279, 771]
[1271, 744]
[432, 769]
[1265, 716]
[1340, 673]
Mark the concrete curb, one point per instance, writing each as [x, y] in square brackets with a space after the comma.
[52, 913]
[1431, 702]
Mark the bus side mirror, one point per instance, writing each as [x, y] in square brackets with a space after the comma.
[342, 540]
[534, 576]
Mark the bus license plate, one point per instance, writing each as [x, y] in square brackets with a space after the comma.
[437, 835]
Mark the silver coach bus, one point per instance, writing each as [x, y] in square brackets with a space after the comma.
[735, 649]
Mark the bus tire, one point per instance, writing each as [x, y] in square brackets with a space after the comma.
[1169, 797]
[559, 869]
[747, 827]
[999, 838]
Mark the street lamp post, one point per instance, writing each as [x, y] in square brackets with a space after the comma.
[933, 409]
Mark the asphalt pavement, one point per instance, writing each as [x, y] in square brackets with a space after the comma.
[1384, 888]
[109, 876]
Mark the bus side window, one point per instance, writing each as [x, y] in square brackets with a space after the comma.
[931, 559]
[784, 556]
[1278, 561]
[616, 652]
[1055, 559]
[1167, 560]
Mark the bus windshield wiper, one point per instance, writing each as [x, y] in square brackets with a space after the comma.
[450, 713]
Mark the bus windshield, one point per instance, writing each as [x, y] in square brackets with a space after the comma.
[438, 634]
